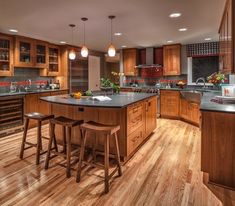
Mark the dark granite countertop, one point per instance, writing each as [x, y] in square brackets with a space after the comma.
[31, 92]
[118, 100]
[208, 105]
[173, 88]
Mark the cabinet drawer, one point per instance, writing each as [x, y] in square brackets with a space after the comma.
[135, 139]
[135, 117]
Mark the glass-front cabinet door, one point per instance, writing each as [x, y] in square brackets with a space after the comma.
[6, 55]
[24, 52]
[54, 60]
[41, 54]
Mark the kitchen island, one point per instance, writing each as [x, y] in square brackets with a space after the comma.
[135, 113]
[218, 139]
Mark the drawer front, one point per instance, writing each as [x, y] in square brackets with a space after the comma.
[135, 139]
[135, 117]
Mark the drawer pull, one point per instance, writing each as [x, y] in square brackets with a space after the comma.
[80, 109]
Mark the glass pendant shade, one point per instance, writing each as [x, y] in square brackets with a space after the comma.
[111, 51]
[84, 51]
[72, 55]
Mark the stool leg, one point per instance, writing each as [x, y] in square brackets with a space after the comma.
[52, 135]
[94, 148]
[38, 143]
[55, 144]
[26, 125]
[68, 152]
[118, 155]
[64, 139]
[106, 163]
[81, 155]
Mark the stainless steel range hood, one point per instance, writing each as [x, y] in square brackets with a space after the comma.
[149, 59]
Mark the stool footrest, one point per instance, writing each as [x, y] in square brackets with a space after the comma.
[43, 137]
[28, 147]
[31, 144]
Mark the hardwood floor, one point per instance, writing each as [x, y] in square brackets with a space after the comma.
[165, 171]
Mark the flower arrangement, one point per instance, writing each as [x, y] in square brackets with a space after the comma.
[216, 78]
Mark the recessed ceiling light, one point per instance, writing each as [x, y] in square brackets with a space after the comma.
[183, 29]
[13, 30]
[63, 42]
[124, 46]
[118, 34]
[169, 41]
[175, 15]
[207, 39]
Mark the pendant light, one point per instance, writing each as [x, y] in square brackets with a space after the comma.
[84, 50]
[72, 53]
[111, 49]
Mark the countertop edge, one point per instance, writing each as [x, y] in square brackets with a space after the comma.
[100, 106]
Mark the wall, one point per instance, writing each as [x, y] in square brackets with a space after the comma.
[21, 75]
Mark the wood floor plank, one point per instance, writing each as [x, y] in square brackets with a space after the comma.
[165, 171]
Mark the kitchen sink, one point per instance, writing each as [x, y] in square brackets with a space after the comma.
[192, 95]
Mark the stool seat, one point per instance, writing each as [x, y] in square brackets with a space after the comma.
[38, 116]
[101, 128]
[64, 121]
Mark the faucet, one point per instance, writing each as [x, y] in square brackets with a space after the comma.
[203, 80]
[29, 84]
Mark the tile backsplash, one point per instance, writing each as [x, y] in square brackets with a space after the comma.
[21, 75]
[152, 81]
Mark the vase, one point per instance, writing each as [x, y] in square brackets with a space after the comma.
[217, 86]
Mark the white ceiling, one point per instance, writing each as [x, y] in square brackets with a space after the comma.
[143, 23]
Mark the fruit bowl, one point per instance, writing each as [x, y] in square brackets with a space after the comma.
[76, 95]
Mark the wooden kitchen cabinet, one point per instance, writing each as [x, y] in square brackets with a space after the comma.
[24, 52]
[43, 107]
[158, 56]
[130, 60]
[217, 148]
[226, 39]
[31, 105]
[151, 116]
[6, 56]
[41, 54]
[142, 56]
[170, 103]
[171, 60]
[54, 60]
[189, 111]
[37, 54]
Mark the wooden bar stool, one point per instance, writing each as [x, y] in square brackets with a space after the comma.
[105, 131]
[40, 118]
[67, 125]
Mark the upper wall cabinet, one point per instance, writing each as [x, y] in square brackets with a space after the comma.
[130, 60]
[6, 55]
[54, 60]
[171, 59]
[37, 54]
[24, 52]
[158, 56]
[226, 39]
[41, 54]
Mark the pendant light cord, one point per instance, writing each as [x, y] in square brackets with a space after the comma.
[111, 31]
[84, 34]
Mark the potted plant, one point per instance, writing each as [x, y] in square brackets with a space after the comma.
[108, 86]
[216, 79]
